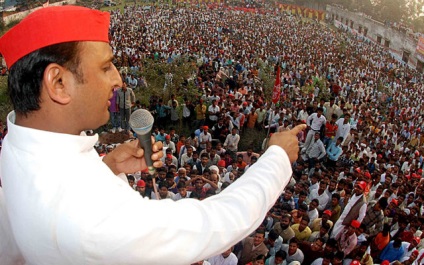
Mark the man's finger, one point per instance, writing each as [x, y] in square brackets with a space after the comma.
[298, 129]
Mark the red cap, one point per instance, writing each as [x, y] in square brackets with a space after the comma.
[379, 156]
[420, 171]
[327, 212]
[358, 170]
[221, 163]
[415, 252]
[367, 175]
[385, 262]
[362, 185]
[205, 128]
[53, 25]
[395, 202]
[415, 176]
[355, 262]
[417, 240]
[245, 103]
[167, 136]
[169, 156]
[141, 183]
[355, 223]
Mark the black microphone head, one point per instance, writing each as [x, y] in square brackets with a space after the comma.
[141, 121]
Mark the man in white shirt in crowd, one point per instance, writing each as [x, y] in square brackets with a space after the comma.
[213, 111]
[204, 138]
[321, 195]
[315, 121]
[314, 151]
[343, 128]
[225, 258]
[232, 140]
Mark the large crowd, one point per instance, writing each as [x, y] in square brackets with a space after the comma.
[356, 193]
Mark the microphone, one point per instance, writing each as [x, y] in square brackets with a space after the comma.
[141, 122]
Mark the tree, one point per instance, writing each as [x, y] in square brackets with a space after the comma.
[392, 10]
[26, 4]
[414, 8]
[418, 24]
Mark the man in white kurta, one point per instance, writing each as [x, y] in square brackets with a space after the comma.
[358, 195]
[80, 213]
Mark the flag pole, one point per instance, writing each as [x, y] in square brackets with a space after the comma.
[275, 98]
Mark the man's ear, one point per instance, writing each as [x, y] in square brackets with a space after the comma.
[54, 83]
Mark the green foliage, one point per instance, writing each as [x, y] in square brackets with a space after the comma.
[2, 27]
[391, 10]
[154, 73]
[5, 105]
[418, 24]
[267, 77]
[26, 4]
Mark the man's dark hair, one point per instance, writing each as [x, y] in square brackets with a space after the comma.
[260, 231]
[316, 201]
[302, 192]
[303, 207]
[273, 235]
[26, 75]
[294, 240]
[326, 226]
[305, 218]
[287, 207]
[397, 243]
[181, 185]
[382, 202]
[281, 254]
[336, 195]
[332, 243]
[130, 177]
[162, 184]
[320, 239]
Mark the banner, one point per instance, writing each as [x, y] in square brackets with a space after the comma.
[277, 87]
[420, 45]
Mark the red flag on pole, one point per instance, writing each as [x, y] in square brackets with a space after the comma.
[277, 87]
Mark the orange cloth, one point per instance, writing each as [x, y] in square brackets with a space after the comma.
[380, 241]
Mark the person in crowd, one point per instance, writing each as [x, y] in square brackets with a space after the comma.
[283, 227]
[393, 251]
[225, 258]
[253, 247]
[301, 231]
[293, 252]
[347, 239]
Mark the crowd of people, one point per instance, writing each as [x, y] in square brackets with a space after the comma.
[356, 193]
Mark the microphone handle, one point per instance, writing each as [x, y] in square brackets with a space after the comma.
[146, 143]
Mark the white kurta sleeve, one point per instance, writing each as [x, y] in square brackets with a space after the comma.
[182, 232]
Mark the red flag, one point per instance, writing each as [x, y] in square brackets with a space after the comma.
[277, 87]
